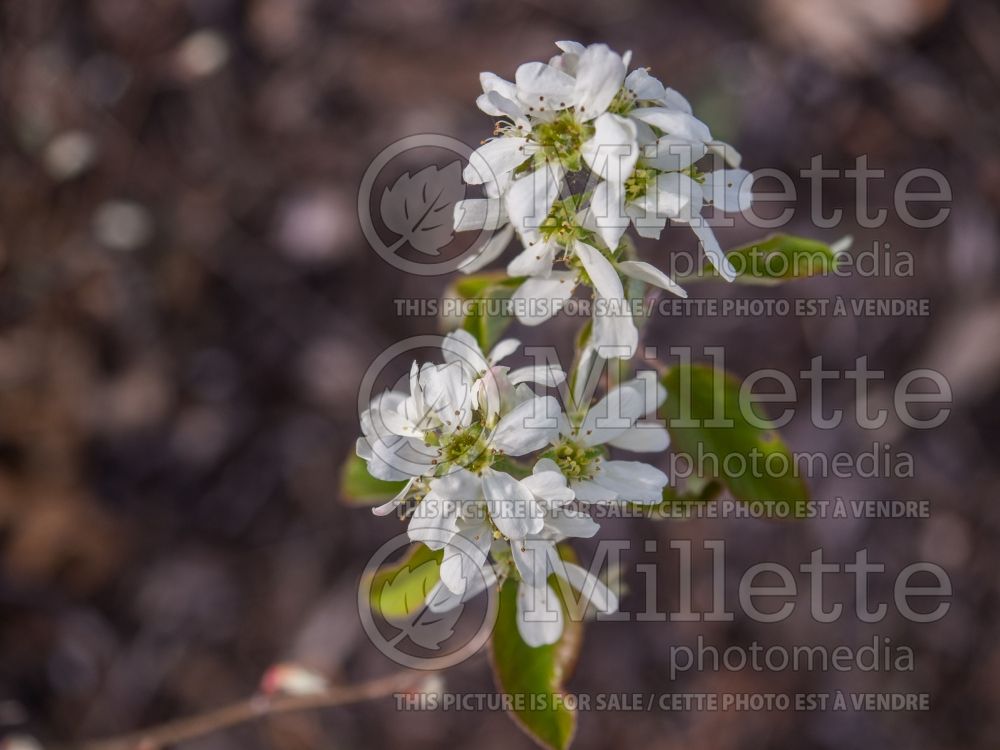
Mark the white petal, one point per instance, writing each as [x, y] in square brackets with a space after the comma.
[590, 587]
[612, 415]
[441, 599]
[512, 507]
[492, 82]
[589, 491]
[607, 212]
[673, 122]
[530, 198]
[486, 250]
[614, 333]
[633, 481]
[599, 269]
[547, 375]
[599, 74]
[448, 390]
[394, 458]
[638, 269]
[671, 153]
[613, 149]
[729, 189]
[534, 260]
[479, 213]
[675, 100]
[387, 508]
[646, 384]
[464, 561]
[461, 346]
[434, 521]
[543, 87]
[713, 250]
[539, 615]
[550, 487]
[571, 48]
[646, 222]
[643, 438]
[503, 349]
[644, 86]
[493, 159]
[527, 427]
[531, 557]
[568, 522]
[675, 196]
[537, 300]
[728, 154]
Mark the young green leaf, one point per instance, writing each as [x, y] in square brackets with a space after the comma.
[534, 677]
[398, 591]
[704, 416]
[358, 487]
[778, 258]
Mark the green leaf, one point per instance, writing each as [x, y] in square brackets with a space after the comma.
[398, 591]
[358, 487]
[534, 677]
[489, 315]
[779, 258]
[700, 400]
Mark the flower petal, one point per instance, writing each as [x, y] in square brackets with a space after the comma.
[599, 269]
[643, 438]
[591, 589]
[461, 346]
[638, 269]
[527, 427]
[530, 198]
[713, 250]
[485, 251]
[547, 375]
[633, 481]
[494, 159]
[599, 75]
[542, 87]
[729, 189]
[512, 507]
[387, 508]
[534, 260]
[479, 213]
[539, 615]
[673, 122]
[537, 300]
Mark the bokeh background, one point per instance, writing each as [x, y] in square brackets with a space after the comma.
[187, 307]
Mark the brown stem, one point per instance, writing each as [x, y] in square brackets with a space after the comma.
[180, 730]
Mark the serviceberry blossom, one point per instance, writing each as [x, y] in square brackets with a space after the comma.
[458, 419]
[582, 150]
[465, 571]
[581, 457]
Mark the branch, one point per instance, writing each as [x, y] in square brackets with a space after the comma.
[258, 706]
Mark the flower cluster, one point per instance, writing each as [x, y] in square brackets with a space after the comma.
[583, 150]
[493, 469]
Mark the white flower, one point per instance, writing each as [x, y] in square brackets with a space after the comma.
[545, 292]
[497, 388]
[461, 511]
[614, 421]
[539, 609]
[465, 413]
[465, 571]
[396, 426]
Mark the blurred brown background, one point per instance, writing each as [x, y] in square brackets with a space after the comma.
[187, 307]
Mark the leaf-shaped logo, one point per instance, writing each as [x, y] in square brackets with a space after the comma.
[407, 591]
[419, 207]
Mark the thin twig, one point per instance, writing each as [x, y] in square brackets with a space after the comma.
[258, 706]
